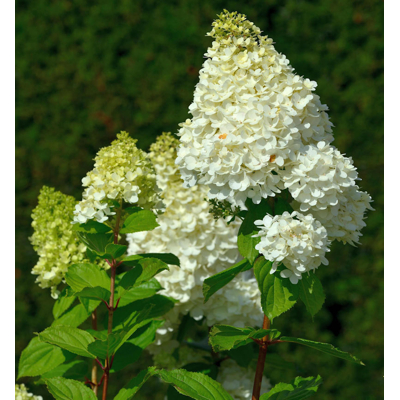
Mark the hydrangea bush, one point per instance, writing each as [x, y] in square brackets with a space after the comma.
[193, 250]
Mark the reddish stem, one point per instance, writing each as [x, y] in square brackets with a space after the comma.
[94, 367]
[261, 361]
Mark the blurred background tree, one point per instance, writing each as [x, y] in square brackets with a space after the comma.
[86, 70]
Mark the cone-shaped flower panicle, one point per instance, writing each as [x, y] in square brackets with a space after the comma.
[251, 115]
[53, 239]
[122, 172]
[298, 242]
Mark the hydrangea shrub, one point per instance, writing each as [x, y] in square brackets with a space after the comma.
[193, 250]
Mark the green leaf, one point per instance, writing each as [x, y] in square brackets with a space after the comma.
[73, 370]
[159, 304]
[72, 339]
[81, 276]
[91, 226]
[324, 347]
[243, 355]
[278, 295]
[62, 304]
[225, 337]
[217, 281]
[133, 386]
[38, 358]
[96, 241]
[143, 291]
[194, 384]
[112, 251]
[75, 316]
[68, 389]
[132, 349]
[311, 292]
[281, 206]
[97, 293]
[299, 389]
[168, 258]
[246, 241]
[210, 370]
[138, 221]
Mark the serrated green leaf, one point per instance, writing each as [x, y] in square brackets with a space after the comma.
[217, 281]
[159, 304]
[96, 241]
[311, 292]
[109, 346]
[143, 291]
[132, 349]
[73, 370]
[210, 370]
[324, 347]
[112, 251]
[133, 386]
[72, 339]
[74, 317]
[226, 337]
[168, 258]
[246, 242]
[299, 389]
[91, 226]
[97, 293]
[139, 221]
[145, 270]
[278, 295]
[69, 389]
[194, 384]
[38, 358]
[83, 275]
[62, 304]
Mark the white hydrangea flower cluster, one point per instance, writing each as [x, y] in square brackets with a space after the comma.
[238, 381]
[296, 240]
[251, 116]
[122, 172]
[204, 246]
[21, 393]
[53, 239]
[318, 176]
[258, 128]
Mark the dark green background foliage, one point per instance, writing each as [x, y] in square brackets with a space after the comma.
[86, 70]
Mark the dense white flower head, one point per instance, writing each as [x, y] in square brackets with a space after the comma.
[21, 393]
[251, 114]
[318, 176]
[53, 238]
[344, 220]
[297, 241]
[238, 381]
[204, 247]
[122, 172]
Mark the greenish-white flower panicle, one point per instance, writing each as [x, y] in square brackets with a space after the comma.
[123, 173]
[204, 247]
[251, 115]
[297, 241]
[53, 239]
[21, 393]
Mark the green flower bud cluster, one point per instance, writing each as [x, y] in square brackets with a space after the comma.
[234, 28]
[53, 239]
[122, 172]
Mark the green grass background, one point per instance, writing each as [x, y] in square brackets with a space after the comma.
[86, 70]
